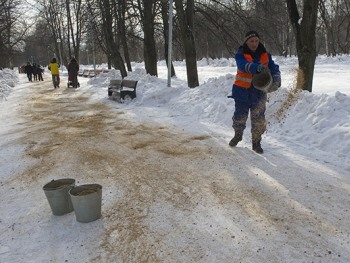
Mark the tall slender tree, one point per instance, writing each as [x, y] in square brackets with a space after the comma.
[110, 35]
[54, 14]
[121, 23]
[185, 15]
[75, 22]
[13, 29]
[147, 9]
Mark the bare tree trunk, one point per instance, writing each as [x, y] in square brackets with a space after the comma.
[305, 33]
[8, 19]
[122, 32]
[70, 33]
[80, 14]
[185, 19]
[111, 43]
[329, 32]
[53, 13]
[149, 47]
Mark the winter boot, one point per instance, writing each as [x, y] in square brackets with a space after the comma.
[257, 147]
[235, 140]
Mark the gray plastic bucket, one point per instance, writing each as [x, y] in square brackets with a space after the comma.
[57, 193]
[87, 201]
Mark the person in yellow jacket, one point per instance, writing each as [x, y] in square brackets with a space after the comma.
[54, 68]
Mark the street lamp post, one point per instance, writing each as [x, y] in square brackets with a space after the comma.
[94, 56]
[170, 40]
[59, 51]
[93, 46]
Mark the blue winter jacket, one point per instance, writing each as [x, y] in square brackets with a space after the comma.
[251, 95]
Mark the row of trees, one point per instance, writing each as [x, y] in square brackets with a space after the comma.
[121, 31]
[13, 30]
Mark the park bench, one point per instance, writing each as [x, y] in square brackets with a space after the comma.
[80, 72]
[90, 73]
[85, 73]
[94, 73]
[122, 90]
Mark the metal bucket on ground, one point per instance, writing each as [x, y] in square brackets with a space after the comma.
[57, 194]
[87, 202]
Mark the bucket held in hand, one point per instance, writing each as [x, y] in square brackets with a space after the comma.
[262, 81]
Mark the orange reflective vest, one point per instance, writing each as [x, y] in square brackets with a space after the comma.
[244, 79]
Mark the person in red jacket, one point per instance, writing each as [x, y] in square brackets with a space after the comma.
[252, 58]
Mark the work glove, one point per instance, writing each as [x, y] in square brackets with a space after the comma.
[274, 87]
[261, 68]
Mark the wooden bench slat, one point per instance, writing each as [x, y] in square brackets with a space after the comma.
[129, 83]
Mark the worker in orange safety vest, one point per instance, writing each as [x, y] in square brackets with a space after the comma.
[251, 59]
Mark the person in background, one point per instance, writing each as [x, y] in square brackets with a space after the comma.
[28, 69]
[35, 71]
[54, 68]
[40, 73]
[21, 69]
[73, 69]
[252, 58]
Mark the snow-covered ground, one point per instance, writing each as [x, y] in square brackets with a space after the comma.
[173, 190]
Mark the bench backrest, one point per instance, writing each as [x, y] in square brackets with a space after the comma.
[129, 83]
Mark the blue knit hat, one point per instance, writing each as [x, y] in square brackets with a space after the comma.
[250, 34]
